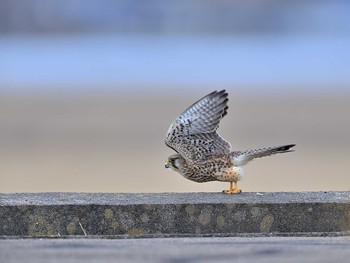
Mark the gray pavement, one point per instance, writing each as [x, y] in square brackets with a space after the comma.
[212, 249]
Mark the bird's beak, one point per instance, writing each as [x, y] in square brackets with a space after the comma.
[167, 165]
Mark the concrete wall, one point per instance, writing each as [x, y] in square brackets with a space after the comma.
[174, 214]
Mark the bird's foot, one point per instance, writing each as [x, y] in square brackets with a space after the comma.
[232, 192]
[233, 189]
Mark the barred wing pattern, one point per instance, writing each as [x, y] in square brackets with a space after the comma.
[193, 134]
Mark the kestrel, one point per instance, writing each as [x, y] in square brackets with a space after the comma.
[202, 154]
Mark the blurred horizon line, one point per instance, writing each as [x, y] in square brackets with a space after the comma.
[113, 63]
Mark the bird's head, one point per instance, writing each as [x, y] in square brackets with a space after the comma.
[174, 162]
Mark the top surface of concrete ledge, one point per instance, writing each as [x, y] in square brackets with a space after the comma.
[17, 199]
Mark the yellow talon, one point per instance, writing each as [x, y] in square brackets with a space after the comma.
[233, 189]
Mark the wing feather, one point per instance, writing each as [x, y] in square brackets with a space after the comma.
[193, 134]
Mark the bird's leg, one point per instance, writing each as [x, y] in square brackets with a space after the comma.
[233, 189]
[236, 190]
[230, 191]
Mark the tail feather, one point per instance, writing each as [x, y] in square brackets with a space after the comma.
[242, 157]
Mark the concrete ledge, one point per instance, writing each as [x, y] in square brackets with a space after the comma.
[173, 214]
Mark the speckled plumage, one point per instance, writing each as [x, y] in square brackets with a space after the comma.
[202, 154]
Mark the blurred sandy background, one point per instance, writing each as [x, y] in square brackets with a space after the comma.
[85, 103]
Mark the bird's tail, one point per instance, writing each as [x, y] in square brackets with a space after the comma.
[242, 157]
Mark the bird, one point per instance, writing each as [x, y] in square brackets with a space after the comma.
[202, 155]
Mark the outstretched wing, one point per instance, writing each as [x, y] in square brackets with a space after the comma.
[193, 134]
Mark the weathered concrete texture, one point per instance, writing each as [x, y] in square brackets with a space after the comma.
[173, 214]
